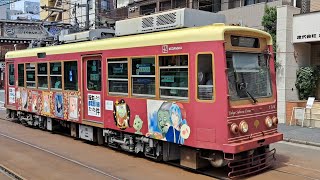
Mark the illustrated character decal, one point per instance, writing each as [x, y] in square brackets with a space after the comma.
[34, 102]
[167, 121]
[58, 105]
[24, 96]
[137, 124]
[121, 114]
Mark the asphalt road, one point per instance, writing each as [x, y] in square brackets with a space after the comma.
[293, 161]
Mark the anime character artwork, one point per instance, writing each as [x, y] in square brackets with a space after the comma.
[167, 121]
[58, 105]
[121, 114]
[46, 103]
[24, 97]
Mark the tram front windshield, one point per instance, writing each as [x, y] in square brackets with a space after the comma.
[248, 76]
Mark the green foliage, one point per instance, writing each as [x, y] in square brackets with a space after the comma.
[306, 81]
[269, 22]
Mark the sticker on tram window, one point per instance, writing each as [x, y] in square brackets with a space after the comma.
[94, 105]
[167, 79]
[12, 95]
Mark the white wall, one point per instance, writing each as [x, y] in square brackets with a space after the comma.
[286, 74]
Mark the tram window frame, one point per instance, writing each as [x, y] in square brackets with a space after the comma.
[149, 69]
[168, 65]
[118, 80]
[89, 77]
[11, 77]
[55, 75]
[21, 83]
[66, 76]
[31, 69]
[41, 75]
[206, 79]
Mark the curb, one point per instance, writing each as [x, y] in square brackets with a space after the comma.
[301, 142]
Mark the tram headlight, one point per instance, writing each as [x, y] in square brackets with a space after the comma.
[268, 122]
[244, 128]
[275, 121]
[234, 128]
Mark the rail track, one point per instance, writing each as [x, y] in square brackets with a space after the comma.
[211, 173]
[107, 174]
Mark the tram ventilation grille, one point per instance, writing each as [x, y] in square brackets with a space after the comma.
[166, 19]
[147, 22]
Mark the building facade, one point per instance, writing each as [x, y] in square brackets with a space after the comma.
[15, 35]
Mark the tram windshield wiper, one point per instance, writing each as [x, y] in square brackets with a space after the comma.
[243, 86]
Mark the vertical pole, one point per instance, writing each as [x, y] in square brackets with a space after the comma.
[87, 15]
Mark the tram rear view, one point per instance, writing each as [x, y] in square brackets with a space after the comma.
[252, 102]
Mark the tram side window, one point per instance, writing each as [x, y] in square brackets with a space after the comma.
[42, 75]
[174, 77]
[118, 76]
[55, 76]
[21, 75]
[11, 74]
[94, 75]
[31, 75]
[205, 77]
[143, 76]
[71, 75]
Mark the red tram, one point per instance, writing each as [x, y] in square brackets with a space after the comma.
[199, 95]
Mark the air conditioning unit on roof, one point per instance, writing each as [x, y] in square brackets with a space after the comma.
[179, 18]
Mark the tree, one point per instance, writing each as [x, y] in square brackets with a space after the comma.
[269, 22]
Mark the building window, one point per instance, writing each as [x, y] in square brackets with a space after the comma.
[42, 75]
[11, 74]
[205, 77]
[249, 2]
[94, 75]
[31, 75]
[71, 75]
[143, 76]
[21, 75]
[166, 5]
[118, 76]
[148, 9]
[55, 75]
[174, 77]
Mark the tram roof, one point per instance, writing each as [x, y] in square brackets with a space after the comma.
[213, 32]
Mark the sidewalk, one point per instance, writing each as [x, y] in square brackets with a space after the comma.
[301, 135]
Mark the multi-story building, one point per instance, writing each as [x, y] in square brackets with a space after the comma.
[28, 9]
[4, 9]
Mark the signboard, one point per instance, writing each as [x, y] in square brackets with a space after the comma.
[306, 28]
[299, 113]
[94, 105]
[310, 102]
